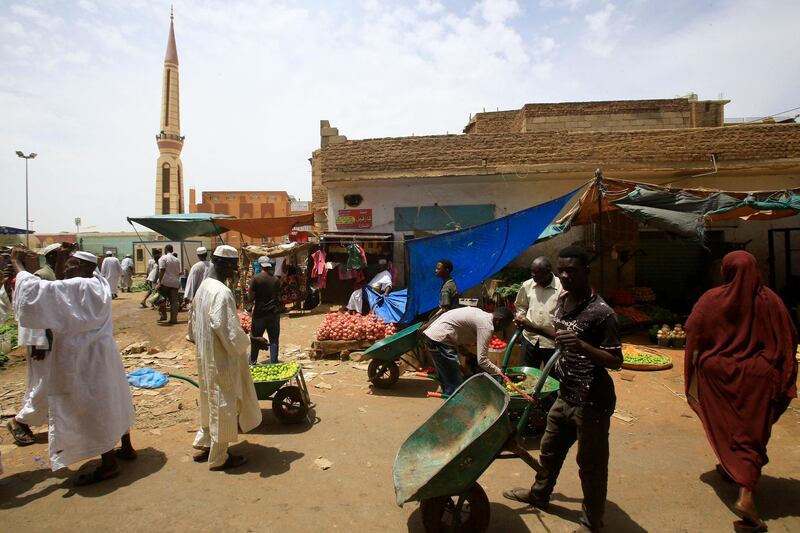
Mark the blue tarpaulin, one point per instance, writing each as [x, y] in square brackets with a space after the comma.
[390, 307]
[476, 253]
[8, 230]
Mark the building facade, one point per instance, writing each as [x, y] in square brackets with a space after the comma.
[510, 160]
[169, 168]
[241, 204]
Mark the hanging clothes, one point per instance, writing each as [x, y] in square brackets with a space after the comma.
[356, 258]
[319, 269]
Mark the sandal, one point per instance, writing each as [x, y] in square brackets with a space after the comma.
[21, 437]
[96, 476]
[201, 456]
[233, 461]
[748, 523]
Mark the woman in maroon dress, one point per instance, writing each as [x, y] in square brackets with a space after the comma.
[740, 373]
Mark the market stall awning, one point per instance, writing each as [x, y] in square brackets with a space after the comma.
[180, 227]
[8, 230]
[262, 228]
[280, 250]
[680, 211]
[476, 252]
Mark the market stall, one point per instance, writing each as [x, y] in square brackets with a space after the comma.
[291, 267]
[335, 274]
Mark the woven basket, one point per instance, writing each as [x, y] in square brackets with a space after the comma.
[646, 368]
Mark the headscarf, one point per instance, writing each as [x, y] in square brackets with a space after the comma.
[739, 320]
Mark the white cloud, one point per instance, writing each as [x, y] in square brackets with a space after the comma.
[87, 5]
[572, 5]
[38, 17]
[498, 11]
[256, 78]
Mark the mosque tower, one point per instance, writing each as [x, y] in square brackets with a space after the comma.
[169, 169]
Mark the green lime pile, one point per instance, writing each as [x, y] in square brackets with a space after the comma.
[276, 372]
[646, 359]
[526, 385]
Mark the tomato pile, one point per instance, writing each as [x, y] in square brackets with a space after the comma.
[353, 326]
[497, 344]
[245, 321]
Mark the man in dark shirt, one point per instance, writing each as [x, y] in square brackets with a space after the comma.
[448, 294]
[585, 329]
[265, 291]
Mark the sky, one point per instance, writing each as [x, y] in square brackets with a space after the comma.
[80, 82]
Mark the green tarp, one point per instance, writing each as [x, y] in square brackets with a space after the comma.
[180, 227]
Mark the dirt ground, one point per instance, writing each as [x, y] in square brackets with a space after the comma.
[661, 471]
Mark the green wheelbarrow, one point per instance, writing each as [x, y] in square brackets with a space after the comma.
[439, 464]
[383, 370]
[290, 403]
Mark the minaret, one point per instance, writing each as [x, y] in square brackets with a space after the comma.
[169, 170]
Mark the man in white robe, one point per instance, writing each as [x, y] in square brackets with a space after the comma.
[381, 282]
[90, 404]
[34, 404]
[127, 273]
[5, 310]
[197, 274]
[227, 395]
[112, 271]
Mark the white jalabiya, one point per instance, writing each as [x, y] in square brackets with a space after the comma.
[379, 283]
[197, 274]
[5, 310]
[90, 402]
[112, 271]
[227, 394]
[34, 403]
[127, 272]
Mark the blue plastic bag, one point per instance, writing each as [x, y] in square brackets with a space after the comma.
[147, 378]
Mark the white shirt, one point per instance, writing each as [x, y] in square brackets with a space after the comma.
[539, 304]
[465, 326]
[172, 266]
[152, 270]
[197, 274]
[381, 281]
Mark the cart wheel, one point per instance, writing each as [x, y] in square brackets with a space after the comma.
[289, 406]
[383, 374]
[442, 514]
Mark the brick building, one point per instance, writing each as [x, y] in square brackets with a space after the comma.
[509, 160]
[241, 204]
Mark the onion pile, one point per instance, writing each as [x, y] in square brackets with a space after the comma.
[353, 326]
[245, 321]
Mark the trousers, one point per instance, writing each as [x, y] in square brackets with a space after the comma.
[589, 426]
[448, 368]
[272, 325]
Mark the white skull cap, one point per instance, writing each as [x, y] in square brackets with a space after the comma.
[226, 251]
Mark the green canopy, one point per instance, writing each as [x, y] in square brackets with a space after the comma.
[179, 227]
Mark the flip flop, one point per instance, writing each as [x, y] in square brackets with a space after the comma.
[233, 461]
[744, 526]
[21, 437]
[96, 476]
[747, 523]
[525, 496]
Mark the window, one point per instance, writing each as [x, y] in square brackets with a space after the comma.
[165, 188]
[272, 198]
[231, 197]
[215, 198]
[254, 197]
[139, 255]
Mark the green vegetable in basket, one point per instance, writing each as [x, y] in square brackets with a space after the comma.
[276, 372]
[646, 359]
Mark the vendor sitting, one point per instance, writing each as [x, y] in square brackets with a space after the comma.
[381, 284]
[463, 326]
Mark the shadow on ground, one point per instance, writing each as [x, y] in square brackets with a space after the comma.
[776, 497]
[409, 387]
[270, 425]
[14, 489]
[503, 518]
[263, 460]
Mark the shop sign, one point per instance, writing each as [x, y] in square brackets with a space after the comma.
[354, 219]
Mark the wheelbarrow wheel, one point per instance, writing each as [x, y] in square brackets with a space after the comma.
[289, 406]
[383, 374]
[467, 512]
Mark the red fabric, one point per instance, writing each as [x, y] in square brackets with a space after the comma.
[740, 367]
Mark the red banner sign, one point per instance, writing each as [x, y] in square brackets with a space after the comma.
[354, 219]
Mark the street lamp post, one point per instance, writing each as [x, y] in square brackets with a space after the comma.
[27, 220]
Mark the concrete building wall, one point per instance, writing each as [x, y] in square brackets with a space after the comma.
[241, 204]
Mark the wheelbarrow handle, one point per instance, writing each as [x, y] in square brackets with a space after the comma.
[546, 372]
